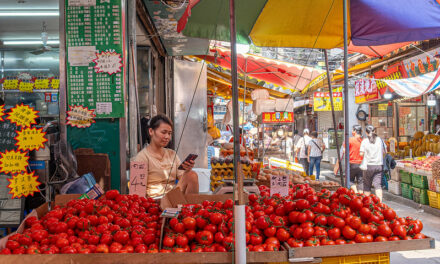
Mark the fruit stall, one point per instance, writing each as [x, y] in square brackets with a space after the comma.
[180, 228]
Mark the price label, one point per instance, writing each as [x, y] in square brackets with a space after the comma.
[279, 184]
[138, 178]
[13, 161]
[30, 139]
[2, 113]
[81, 117]
[26, 87]
[55, 83]
[10, 85]
[42, 84]
[23, 185]
[22, 115]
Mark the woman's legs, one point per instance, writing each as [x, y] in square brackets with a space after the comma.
[377, 181]
[189, 183]
[318, 166]
[311, 164]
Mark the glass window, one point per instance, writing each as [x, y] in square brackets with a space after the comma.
[411, 120]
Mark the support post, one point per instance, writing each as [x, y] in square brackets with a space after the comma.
[346, 112]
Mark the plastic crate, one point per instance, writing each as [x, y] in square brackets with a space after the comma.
[405, 177]
[434, 199]
[419, 181]
[433, 185]
[382, 258]
[420, 195]
[394, 187]
[407, 191]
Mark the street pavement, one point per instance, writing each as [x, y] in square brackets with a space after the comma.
[431, 227]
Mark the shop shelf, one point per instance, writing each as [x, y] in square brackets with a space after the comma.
[382, 258]
[407, 191]
[394, 187]
[405, 177]
[420, 195]
[419, 181]
[434, 199]
[433, 184]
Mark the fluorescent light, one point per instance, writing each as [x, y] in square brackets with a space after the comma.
[29, 42]
[13, 70]
[388, 95]
[13, 13]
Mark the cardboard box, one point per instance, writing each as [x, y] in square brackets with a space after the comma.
[263, 105]
[284, 105]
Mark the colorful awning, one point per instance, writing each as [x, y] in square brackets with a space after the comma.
[416, 86]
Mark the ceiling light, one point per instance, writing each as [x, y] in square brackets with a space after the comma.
[387, 95]
[29, 42]
[13, 13]
[431, 100]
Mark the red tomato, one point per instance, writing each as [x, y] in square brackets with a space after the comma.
[270, 231]
[282, 234]
[399, 230]
[256, 240]
[190, 234]
[204, 237]
[102, 248]
[189, 223]
[181, 240]
[384, 230]
[307, 232]
[348, 232]
[334, 233]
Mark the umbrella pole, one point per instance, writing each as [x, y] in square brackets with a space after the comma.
[346, 119]
[239, 210]
[333, 116]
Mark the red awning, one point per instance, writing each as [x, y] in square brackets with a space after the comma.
[288, 75]
[377, 51]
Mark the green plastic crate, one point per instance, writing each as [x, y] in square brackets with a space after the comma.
[407, 191]
[420, 195]
[405, 177]
[419, 181]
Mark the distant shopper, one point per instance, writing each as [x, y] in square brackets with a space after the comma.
[315, 149]
[295, 139]
[356, 174]
[372, 150]
[301, 150]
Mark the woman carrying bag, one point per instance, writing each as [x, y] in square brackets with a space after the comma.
[372, 150]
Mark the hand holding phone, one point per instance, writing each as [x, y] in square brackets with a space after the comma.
[190, 157]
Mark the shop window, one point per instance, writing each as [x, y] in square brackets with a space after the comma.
[411, 120]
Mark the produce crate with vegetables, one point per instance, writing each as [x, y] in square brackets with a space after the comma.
[406, 191]
[434, 199]
[405, 177]
[419, 181]
[420, 195]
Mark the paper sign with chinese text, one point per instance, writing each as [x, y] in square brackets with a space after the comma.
[10, 85]
[42, 84]
[279, 184]
[321, 101]
[365, 90]
[23, 115]
[13, 161]
[23, 185]
[108, 62]
[26, 87]
[30, 139]
[277, 117]
[383, 107]
[138, 178]
[79, 116]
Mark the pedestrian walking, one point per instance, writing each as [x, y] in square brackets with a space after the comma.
[356, 174]
[315, 149]
[372, 150]
[301, 150]
[295, 139]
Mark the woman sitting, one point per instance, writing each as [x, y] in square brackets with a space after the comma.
[162, 162]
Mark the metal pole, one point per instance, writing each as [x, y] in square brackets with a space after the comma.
[133, 116]
[333, 117]
[346, 119]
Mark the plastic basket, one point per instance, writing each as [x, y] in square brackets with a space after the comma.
[407, 191]
[434, 199]
[405, 177]
[394, 187]
[419, 181]
[382, 258]
[420, 196]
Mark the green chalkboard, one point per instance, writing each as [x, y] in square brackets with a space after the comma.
[95, 57]
[102, 137]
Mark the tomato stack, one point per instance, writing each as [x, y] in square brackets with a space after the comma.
[114, 223]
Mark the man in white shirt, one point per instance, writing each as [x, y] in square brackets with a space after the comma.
[301, 150]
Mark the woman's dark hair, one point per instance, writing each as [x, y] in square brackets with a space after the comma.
[357, 129]
[314, 134]
[155, 122]
[371, 133]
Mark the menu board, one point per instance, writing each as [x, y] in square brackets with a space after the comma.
[7, 135]
[95, 57]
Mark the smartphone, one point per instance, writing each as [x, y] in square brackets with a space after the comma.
[188, 158]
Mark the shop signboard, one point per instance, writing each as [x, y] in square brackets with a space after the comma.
[365, 90]
[393, 72]
[95, 33]
[422, 64]
[277, 117]
[321, 101]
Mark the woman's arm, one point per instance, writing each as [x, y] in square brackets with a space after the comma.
[308, 152]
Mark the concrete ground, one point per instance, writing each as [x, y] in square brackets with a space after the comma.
[404, 207]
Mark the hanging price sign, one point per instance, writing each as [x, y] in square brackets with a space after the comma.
[23, 115]
[13, 161]
[279, 184]
[79, 116]
[138, 178]
[23, 185]
[42, 84]
[10, 85]
[26, 87]
[30, 139]
[2, 109]
[108, 62]
[55, 84]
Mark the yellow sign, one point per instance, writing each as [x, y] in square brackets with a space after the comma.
[22, 115]
[10, 84]
[23, 185]
[30, 139]
[13, 161]
[383, 107]
[2, 108]
[321, 101]
[55, 83]
[42, 84]
[26, 87]
[79, 116]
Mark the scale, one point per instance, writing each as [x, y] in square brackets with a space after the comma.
[228, 187]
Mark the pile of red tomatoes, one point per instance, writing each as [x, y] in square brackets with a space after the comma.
[114, 223]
